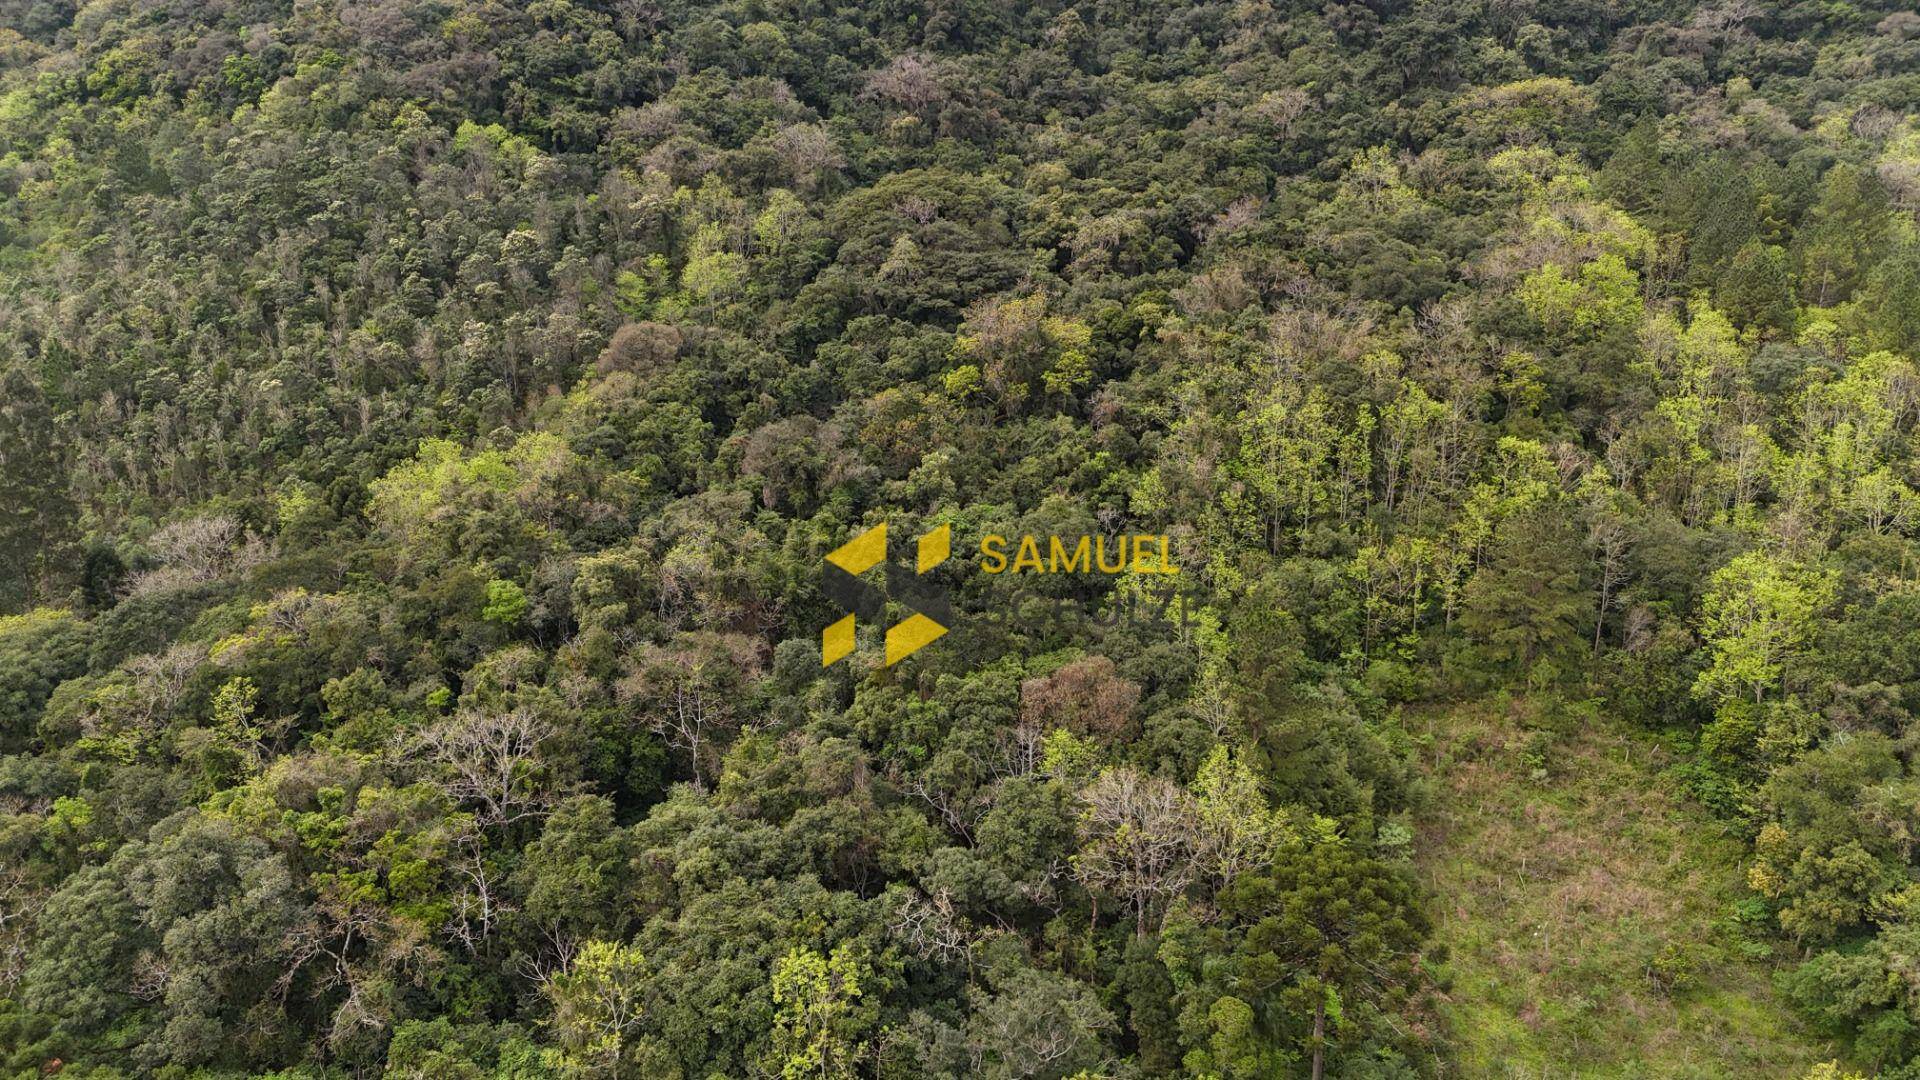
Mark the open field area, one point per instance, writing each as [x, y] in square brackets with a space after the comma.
[1591, 915]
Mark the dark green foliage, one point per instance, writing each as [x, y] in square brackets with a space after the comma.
[1890, 300]
[1524, 608]
[36, 511]
[421, 426]
[38, 652]
[1756, 289]
[1844, 236]
[1722, 215]
[195, 921]
[1329, 931]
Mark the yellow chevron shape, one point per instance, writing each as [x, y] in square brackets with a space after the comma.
[861, 552]
[836, 642]
[910, 635]
[934, 548]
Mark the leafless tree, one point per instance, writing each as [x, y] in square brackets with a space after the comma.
[151, 976]
[198, 550]
[495, 760]
[961, 812]
[145, 705]
[1638, 635]
[480, 904]
[931, 928]
[689, 693]
[20, 903]
[809, 154]
[1610, 540]
[336, 931]
[553, 957]
[1023, 746]
[912, 82]
[1281, 108]
[1138, 836]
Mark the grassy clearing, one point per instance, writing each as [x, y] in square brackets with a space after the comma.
[1589, 912]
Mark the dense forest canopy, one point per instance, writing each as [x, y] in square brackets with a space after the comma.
[422, 423]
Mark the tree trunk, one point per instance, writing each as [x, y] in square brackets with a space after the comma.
[1600, 622]
[1319, 1038]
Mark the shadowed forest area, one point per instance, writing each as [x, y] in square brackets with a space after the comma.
[422, 424]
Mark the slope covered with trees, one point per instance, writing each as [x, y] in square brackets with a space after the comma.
[422, 421]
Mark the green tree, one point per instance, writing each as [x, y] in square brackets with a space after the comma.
[819, 1027]
[1723, 215]
[1758, 613]
[1756, 289]
[1845, 234]
[1890, 301]
[597, 1004]
[1328, 933]
[1525, 608]
[38, 651]
[36, 512]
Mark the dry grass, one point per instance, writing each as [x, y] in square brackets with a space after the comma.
[1556, 896]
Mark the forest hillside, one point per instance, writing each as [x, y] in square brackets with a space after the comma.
[943, 538]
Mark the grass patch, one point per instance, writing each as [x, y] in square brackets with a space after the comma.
[1589, 910]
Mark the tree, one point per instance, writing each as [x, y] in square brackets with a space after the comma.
[1758, 612]
[38, 651]
[1237, 831]
[818, 1028]
[1325, 932]
[1859, 994]
[1890, 306]
[575, 877]
[1021, 347]
[1611, 537]
[597, 1004]
[690, 693]
[1526, 605]
[186, 932]
[1036, 1024]
[36, 512]
[496, 758]
[1138, 838]
[1844, 236]
[1085, 696]
[1756, 289]
[1723, 211]
[1837, 834]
